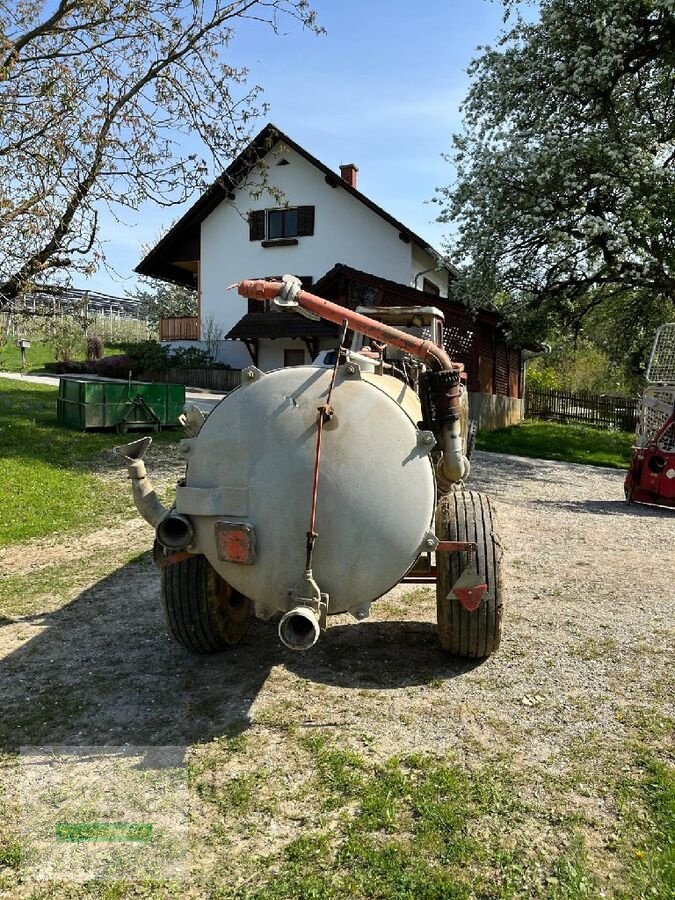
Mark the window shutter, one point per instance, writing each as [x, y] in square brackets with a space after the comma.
[305, 221]
[256, 225]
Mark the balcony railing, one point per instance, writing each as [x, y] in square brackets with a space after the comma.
[179, 328]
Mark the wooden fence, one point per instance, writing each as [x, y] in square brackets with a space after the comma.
[605, 410]
[210, 379]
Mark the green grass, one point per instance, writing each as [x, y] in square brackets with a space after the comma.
[45, 470]
[417, 828]
[648, 807]
[40, 353]
[568, 443]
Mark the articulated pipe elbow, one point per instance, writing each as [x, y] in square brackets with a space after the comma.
[453, 466]
[174, 532]
[145, 498]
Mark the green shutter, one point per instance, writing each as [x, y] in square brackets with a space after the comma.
[256, 225]
[305, 221]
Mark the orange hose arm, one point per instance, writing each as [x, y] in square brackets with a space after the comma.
[426, 351]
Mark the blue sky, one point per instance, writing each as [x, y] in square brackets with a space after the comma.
[382, 88]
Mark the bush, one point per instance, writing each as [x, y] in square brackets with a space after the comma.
[148, 355]
[67, 368]
[94, 347]
[114, 366]
[189, 358]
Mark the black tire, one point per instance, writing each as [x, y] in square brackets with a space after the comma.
[204, 613]
[468, 516]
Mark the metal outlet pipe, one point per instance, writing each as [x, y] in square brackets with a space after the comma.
[453, 465]
[175, 532]
[299, 628]
[147, 502]
[145, 498]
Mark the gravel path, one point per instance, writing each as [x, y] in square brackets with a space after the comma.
[588, 632]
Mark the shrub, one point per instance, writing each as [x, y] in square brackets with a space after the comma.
[113, 366]
[148, 355]
[67, 368]
[94, 347]
[189, 358]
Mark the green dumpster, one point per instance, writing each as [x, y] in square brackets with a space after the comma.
[92, 403]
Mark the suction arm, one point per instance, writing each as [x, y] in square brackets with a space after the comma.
[431, 354]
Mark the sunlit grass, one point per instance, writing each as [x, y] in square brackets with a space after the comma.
[46, 470]
[567, 443]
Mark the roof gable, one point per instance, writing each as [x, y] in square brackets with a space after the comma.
[157, 263]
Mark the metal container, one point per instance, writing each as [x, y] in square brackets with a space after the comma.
[252, 463]
[102, 403]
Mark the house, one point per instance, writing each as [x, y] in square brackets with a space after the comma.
[230, 234]
[315, 223]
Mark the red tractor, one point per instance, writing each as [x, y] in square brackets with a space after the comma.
[651, 477]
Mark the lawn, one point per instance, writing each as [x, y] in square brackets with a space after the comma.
[568, 443]
[47, 471]
[40, 353]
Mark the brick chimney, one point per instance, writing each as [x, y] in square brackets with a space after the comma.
[348, 174]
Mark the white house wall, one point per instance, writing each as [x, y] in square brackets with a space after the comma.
[422, 261]
[271, 352]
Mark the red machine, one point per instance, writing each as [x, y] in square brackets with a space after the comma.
[651, 477]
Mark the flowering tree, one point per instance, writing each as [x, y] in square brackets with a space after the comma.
[95, 96]
[565, 192]
[159, 300]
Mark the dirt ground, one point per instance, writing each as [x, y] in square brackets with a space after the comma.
[587, 650]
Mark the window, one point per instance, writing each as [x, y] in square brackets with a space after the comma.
[294, 358]
[282, 223]
[277, 225]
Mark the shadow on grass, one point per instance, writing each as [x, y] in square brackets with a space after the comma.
[103, 670]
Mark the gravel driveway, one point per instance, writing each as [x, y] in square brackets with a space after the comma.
[588, 628]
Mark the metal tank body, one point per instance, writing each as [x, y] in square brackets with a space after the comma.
[252, 463]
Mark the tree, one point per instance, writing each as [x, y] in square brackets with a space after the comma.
[161, 300]
[565, 192]
[94, 98]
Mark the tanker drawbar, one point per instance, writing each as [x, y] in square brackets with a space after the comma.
[311, 491]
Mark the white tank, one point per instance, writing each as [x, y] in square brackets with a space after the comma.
[252, 464]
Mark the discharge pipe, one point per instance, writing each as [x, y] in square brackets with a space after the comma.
[454, 466]
[147, 502]
[299, 628]
[174, 532]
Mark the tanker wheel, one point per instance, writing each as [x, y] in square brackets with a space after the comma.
[468, 516]
[204, 613]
